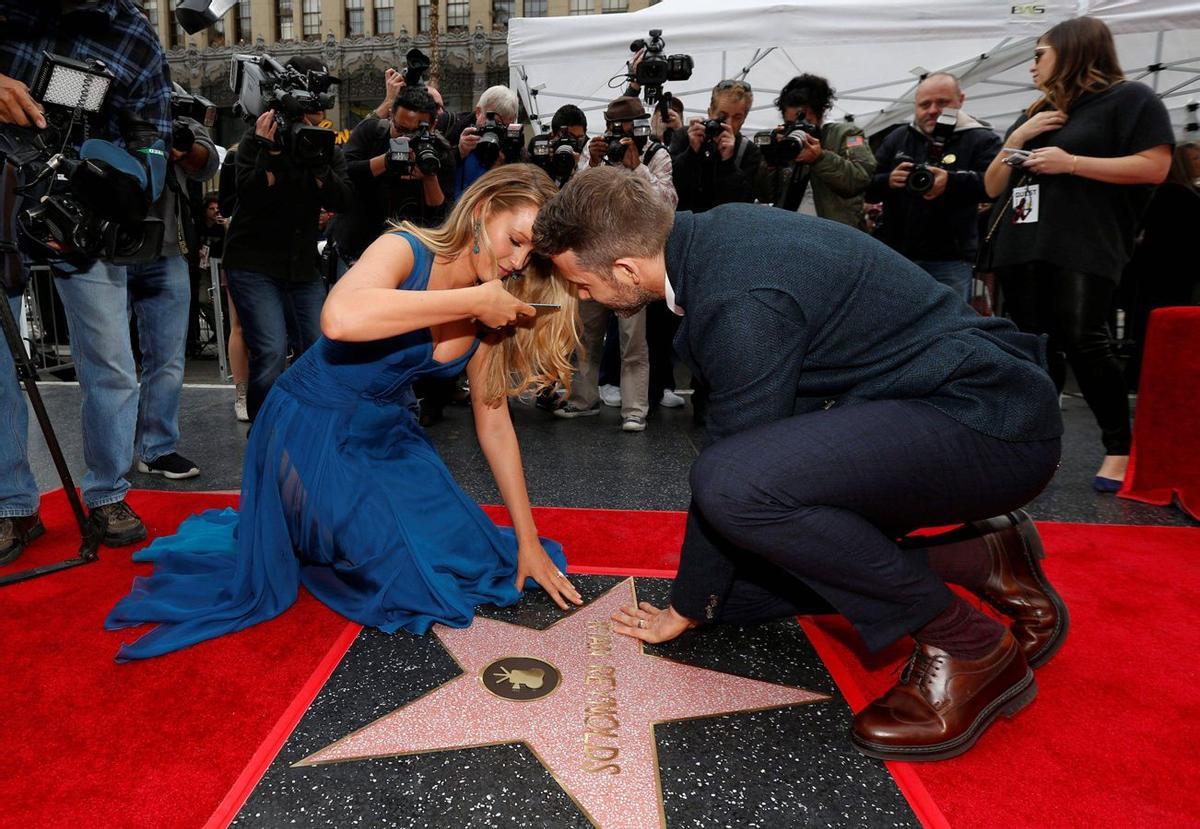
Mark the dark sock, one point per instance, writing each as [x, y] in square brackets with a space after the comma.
[964, 562]
[962, 631]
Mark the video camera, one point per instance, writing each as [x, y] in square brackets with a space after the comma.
[616, 150]
[75, 205]
[261, 83]
[495, 138]
[782, 144]
[655, 68]
[557, 156]
[420, 150]
[185, 105]
[920, 177]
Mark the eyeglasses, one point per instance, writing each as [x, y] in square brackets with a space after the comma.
[723, 85]
[1039, 51]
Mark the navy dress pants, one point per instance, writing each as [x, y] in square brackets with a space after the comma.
[802, 515]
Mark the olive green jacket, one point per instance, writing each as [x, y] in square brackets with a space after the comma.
[838, 178]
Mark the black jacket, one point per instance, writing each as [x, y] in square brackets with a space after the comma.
[702, 185]
[384, 198]
[786, 314]
[945, 228]
[274, 230]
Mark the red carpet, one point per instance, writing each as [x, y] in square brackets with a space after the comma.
[1165, 461]
[89, 743]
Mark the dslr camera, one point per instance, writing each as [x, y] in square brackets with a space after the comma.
[420, 151]
[920, 177]
[185, 105]
[495, 138]
[616, 150]
[557, 156]
[782, 144]
[416, 64]
[261, 83]
[656, 68]
[713, 127]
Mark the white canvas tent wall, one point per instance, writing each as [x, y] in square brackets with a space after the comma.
[872, 51]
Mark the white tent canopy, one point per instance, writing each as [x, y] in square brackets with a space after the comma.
[872, 52]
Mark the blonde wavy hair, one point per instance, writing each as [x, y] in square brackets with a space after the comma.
[529, 357]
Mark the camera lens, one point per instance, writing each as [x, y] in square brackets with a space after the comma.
[920, 180]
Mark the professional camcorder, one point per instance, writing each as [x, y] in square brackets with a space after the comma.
[261, 83]
[420, 151]
[77, 204]
[557, 156]
[186, 105]
[655, 68]
[616, 150]
[920, 177]
[495, 138]
[781, 145]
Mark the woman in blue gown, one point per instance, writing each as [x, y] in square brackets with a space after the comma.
[342, 491]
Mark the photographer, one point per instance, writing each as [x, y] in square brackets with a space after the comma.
[468, 129]
[559, 152]
[647, 159]
[718, 164]
[834, 164]
[388, 188]
[95, 298]
[932, 217]
[160, 296]
[270, 251]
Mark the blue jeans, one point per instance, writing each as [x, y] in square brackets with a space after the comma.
[18, 489]
[955, 273]
[160, 298]
[263, 302]
[97, 305]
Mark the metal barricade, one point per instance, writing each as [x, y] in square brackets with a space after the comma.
[44, 325]
[217, 294]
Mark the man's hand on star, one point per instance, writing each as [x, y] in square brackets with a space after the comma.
[650, 624]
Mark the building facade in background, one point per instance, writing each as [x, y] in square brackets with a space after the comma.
[357, 40]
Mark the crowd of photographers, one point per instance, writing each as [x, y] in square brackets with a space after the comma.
[286, 187]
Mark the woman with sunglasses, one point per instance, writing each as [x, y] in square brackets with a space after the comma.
[342, 490]
[1075, 176]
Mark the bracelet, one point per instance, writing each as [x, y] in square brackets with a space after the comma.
[1074, 163]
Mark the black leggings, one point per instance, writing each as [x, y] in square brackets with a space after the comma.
[1073, 308]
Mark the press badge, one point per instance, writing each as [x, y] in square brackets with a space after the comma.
[1025, 204]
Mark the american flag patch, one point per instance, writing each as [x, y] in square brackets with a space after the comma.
[854, 141]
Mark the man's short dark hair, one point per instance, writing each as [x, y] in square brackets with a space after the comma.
[210, 198]
[415, 99]
[568, 115]
[306, 63]
[811, 91]
[602, 215]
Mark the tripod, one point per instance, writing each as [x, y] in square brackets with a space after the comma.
[27, 375]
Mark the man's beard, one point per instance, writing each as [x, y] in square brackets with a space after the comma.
[630, 300]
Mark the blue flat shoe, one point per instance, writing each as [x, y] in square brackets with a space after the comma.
[1102, 484]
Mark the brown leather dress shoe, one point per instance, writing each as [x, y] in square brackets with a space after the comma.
[15, 533]
[1017, 587]
[942, 705]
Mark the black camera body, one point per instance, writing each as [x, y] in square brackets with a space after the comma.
[186, 105]
[713, 129]
[556, 155]
[262, 83]
[420, 152]
[616, 149]
[495, 138]
[921, 177]
[656, 68]
[781, 145]
[416, 64]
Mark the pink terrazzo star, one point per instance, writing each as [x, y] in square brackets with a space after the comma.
[592, 726]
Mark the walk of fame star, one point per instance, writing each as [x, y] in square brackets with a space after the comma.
[582, 699]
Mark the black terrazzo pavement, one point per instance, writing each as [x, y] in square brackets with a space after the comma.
[787, 767]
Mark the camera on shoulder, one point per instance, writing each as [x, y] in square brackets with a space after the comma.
[261, 83]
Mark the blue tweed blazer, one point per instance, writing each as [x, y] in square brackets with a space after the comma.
[786, 314]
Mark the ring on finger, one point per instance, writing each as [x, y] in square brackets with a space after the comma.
[641, 623]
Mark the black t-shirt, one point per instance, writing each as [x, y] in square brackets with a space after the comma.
[1082, 224]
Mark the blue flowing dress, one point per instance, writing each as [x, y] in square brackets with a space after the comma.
[343, 492]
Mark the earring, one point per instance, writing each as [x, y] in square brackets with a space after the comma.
[476, 248]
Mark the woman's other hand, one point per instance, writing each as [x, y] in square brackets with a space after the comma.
[533, 562]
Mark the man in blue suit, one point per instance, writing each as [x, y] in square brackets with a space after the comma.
[853, 400]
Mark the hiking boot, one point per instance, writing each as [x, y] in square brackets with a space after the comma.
[117, 524]
[172, 465]
[15, 533]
